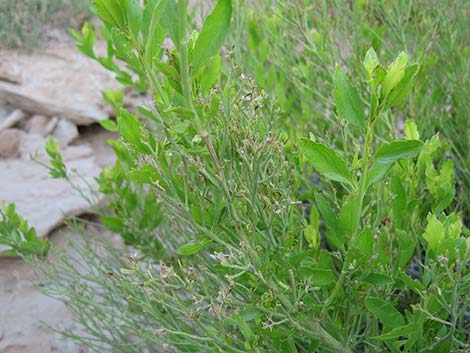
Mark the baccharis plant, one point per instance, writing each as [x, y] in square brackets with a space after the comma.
[291, 48]
[206, 193]
[388, 190]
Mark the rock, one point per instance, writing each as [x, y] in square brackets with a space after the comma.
[10, 141]
[77, 152]
[32, 145]
[65, 132]
[47, 202]
[59, 81]
[41, 125]
[62, 130]
[5, 110]
[12, 119]
[12, 77]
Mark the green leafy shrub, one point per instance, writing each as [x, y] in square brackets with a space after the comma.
[22, 21]
[291, 47]
[207, 192]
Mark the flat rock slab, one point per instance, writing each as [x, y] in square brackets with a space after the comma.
[59, 81]
[47, 202]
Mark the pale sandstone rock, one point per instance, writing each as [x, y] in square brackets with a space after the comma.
[65, 132]
[59, 81]
[41, 125]
[12, 119]
[10, 141]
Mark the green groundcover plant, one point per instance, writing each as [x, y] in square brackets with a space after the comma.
[245, 237]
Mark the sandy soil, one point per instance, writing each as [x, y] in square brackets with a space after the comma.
[25, 313]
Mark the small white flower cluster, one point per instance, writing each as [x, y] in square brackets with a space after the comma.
[223, 259]
[443, 260]
[167, 272]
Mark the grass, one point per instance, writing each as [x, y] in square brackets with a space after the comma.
[23, 21]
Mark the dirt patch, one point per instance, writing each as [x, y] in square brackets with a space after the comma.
[26, 314]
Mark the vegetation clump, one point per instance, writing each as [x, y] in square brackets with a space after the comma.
[251, 232]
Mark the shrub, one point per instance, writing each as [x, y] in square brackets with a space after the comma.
[291, 47]
[207, 189]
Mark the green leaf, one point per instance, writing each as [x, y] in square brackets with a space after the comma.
[211, 75]
[187, 113]
[365, 242]
[395, 73]
[378, 172]
[349, 105]
[57, 168]
[388, 154]
[109, 125]
[167, 70]
[131, 130]
[193, 248]
[154, 28]
[406, 245]
[170, 21]
[399, 201]
[411, 283]
[323, 278]
[86, 41]
[124, 49]
[403, 331]
[349, 214]
[134, 17]
[110, 12]
[18, 236]
[400, 149]
[371, 61]
[146, 174]
[112, 223]
[326, 161]
[453, 225]
[434, 233]
[114, 97]
[212, 34]
[378, 279]
[250, 314]
[445, 201]
[453, 248]
[312, 231]
[411, 130]
[385, 313]
[399, 93]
